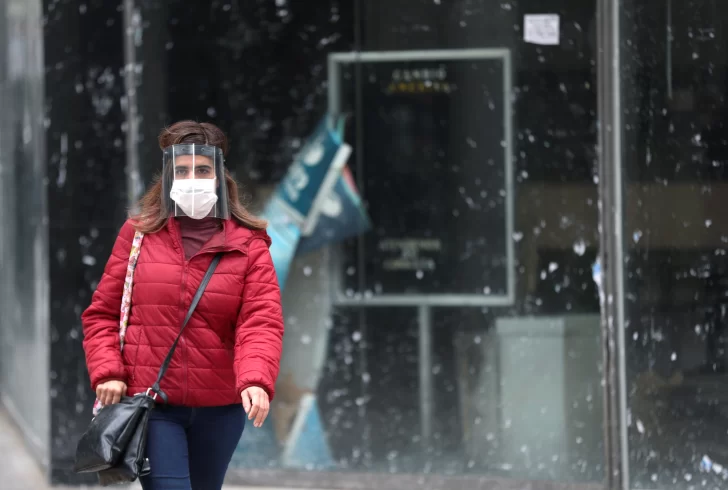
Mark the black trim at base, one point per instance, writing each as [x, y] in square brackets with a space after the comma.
[369, 481]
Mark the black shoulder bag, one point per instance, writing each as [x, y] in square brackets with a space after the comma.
[114, 443]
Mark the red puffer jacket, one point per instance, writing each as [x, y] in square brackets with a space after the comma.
[233, 340]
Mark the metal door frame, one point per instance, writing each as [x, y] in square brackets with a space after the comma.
[612, 296]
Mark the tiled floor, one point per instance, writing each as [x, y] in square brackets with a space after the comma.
[19, 471]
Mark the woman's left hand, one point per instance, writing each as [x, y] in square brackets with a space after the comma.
[256, 404]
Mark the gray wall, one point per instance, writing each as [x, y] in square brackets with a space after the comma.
[24, 303]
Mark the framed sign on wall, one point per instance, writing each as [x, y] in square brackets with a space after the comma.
[431, 133]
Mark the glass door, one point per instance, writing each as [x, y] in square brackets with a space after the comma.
[674, 183]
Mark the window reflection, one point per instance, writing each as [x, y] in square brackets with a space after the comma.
[674, 93]
[517, 389]
[507, 383]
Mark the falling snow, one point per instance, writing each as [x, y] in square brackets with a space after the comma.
[415, 344]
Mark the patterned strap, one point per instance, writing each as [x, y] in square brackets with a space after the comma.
[136, 246]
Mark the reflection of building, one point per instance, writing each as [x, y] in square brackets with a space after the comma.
[459, 337]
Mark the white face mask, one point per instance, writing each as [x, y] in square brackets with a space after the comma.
[195, 197]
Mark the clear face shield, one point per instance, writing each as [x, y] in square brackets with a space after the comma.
[193, 182]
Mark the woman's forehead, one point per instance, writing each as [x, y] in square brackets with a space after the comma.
[189, 159]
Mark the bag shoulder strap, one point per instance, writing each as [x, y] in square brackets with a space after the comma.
[162, 370]
[136, 247]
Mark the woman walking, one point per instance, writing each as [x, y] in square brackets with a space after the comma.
[226, 362]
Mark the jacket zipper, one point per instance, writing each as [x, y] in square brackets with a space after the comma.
[182, 341]
[177, 237]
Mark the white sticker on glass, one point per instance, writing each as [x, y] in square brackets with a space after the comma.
[541, 29]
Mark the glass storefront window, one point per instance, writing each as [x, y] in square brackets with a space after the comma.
[476, 375]
[464, 330]
[674, 92]
[459, 335]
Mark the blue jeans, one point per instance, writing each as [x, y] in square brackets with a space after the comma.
[191, 448]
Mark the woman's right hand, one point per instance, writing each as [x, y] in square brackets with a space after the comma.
[110, 392]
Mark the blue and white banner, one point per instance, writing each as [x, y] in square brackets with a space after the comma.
[317, 202]
[341, 215]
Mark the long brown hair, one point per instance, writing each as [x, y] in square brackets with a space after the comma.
[152, 216]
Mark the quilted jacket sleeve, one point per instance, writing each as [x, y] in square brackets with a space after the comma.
[259, 330]
[101, 318]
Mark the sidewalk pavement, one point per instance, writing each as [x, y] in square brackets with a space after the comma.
[19, 471]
